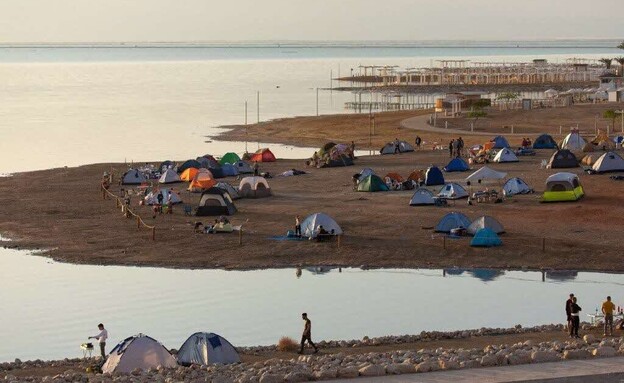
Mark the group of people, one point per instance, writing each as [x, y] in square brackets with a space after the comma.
[456, 147]
[158, 208]
[573, 311]
[526, 142]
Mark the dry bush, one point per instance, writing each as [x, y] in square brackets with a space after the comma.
[287, 344]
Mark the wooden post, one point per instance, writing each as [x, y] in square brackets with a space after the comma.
[543, 245]
[240, 237]
[153, 233]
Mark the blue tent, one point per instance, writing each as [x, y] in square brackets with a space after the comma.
[229, 170]
[434, 176]
[452, 220]
[500, 142]
[545, 141]
[485, 238]
[457, 165]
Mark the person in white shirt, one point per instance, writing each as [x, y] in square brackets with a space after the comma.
[101, 338]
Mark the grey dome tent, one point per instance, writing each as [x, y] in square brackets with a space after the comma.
[422, 197]
[215, 201]
[133, 177]
[139, 351]
[451, 221]
[485, 222]
[453, 191]
[390, 147]
[505, 155]
[169, 176]
[231, 190]
[243, 167]
[166, 165]
[515, 186]
[609, 162]
[561, 159]
[207, 348]
[313, 221]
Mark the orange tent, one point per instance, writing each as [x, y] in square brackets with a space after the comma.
[202, 181]
[263, 155]
[188, 174]
[395, 176]
[488, 145]
[417, 175]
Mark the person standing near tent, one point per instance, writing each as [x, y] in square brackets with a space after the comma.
[352, 150]
[607, 309]
[576, 320]
[568, 309]
[101, 338]
[169, 202]
[256, 169]
[460, 147]
[307, 334]
[418, 142]
[297, 227]
[397, 146]
[450, 147]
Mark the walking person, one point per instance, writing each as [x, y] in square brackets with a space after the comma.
[451, 143]
[307, 334]
[576, 320]
[297, 227]
[607, 309]
[418, 142]
[101, 338]
[568, 309]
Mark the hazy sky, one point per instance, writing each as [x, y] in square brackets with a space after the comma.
[212, 20]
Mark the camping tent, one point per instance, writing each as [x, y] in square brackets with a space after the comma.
[229, 169]
[484, 174]
[204, 348]
[390, 147]
[573, 141]
[254, 187]
[422, 197]
[485, 221]
[609, 162]
[485, 238]
[563, 187]
[229, 158]
[499, 142]
[451, 221]
[133, 177]
[243, 167]
[602, 141]
[457, 164]
[215, 201]
[366, 172]
[371, 183]
[434, 176]
[417, 176]
[395, 176]
[202, 181]
[169, 177]
[515, 186]
[339, 160]
[166, 165]
[590, 159]
[545, 141]
[263, 155]
[505, 155]
[188, 174]
[138, 352]
[313, 221]
[152, 197]
[188, 164]
[229, 189]
[453, 191]
[208, 162]
[562, 158]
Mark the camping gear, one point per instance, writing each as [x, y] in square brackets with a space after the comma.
[545, 141]
[340, 160]
[311, 223]
[485, 238]
[138, 352]
[204, 349]
[263, 155]
[608, 162]
[485, 222]
[133, 177]
[561, 159]
[453, 191]
[229, 158]
[169, 177]
[390, 147]
[563, 187]
[422, 197]
[254, 187]
[371, 183]
[433, 176]
[522, 152]
[515, 186]
[451, 221]
[457, 164]
[215, 201]
[505, 155]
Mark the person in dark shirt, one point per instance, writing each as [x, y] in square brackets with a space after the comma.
[576, 320]
[307, 334]
[568, 309]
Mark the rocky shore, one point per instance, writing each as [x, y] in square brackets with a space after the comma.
[321, 366]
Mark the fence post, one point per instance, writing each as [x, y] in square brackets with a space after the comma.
[240, 237]
[153, 233]
[543, 245]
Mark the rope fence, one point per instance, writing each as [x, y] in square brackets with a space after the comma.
[127, 211]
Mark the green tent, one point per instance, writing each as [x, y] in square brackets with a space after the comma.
[371, 183]
[230, 158]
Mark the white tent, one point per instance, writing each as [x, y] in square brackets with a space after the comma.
[243, 167]
[139, 351]
[573, 141]
[254, 187]
[453, 191]
[485, 222]
[505, 155]
[152, 197]
[422, 197]
[313, 221]
[207, 348]
[516, 186]
[169, 177]
[390, 147]
[229, 189]
[486, 173]
[609, 162]
[133, 177]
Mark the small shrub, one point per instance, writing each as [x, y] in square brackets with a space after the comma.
[287, 344]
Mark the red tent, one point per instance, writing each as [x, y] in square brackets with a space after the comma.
[263, 155]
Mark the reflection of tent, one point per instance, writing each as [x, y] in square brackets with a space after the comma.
[243, 167]
[138, 352]
[207, 348]
[609, 162]
[434, 176]
[229, 189]
[563, 187]
[263, 155]
[573, 141]
[451, 221]
[505, 155]
[189, 164]
[486, 275]
[453, 191]
[454, 271]
[169, 177]
[202, 181]
[229, 170]
[515, 186]
[485, 222]
[484, 174]
[545, 141]
[133, 177]
[562, 159]
[254, 187]
[457, 164]
[561, 275]
[485, 238]
[313, 221]
[152, 197]
[422, 197]
[371, 183]
[229, 158]
[215, 201]
[390, 148]
[499, 142]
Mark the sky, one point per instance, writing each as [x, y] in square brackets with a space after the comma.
[54, 21]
